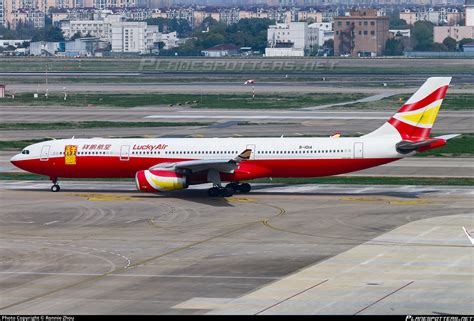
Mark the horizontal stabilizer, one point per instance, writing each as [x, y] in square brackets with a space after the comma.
[406, 146]
[450, 136]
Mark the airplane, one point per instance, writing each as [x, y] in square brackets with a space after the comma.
[166, 164]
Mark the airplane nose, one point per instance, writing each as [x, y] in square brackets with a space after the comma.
[14, 160]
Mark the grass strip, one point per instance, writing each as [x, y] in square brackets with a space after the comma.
[228, 101]
[94, 124]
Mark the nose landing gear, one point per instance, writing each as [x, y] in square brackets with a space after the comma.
[55, 187]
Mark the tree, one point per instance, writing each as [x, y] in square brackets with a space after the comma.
[422, 34]
[398, 24]
[208, 22]
[395, 22]
[51, 34]
[75, 36]
[161, 45]
[450, 43]
[165, 25]
[438, 47]
[394, 47]
[328, 47]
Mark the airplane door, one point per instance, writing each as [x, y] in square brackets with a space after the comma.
[45, 153]
[252, 147]
[125, 153]
[358, 150]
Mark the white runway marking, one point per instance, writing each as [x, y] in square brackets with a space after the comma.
[50, 223]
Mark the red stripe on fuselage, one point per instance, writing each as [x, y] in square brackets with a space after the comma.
[113, 167]
[434, 96]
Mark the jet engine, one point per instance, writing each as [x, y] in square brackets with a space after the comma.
[153, 181]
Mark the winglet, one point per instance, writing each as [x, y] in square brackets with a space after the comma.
[245, 155]
[469, 236]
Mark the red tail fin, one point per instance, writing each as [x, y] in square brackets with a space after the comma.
[418, 114]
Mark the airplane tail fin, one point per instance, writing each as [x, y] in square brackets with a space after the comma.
[416, 117]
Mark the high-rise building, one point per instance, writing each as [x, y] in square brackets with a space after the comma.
[360, 33]
[290, 39]
[2, 14]
[133, 37]
[469, 10]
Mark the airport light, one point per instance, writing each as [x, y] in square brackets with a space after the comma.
[252, 82]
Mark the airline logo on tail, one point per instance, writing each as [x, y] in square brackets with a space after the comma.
[418, 114]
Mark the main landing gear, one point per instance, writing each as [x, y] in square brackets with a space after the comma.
[55, 187]
[243, 188]
[229, 190]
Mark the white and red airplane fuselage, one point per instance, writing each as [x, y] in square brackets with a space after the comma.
[160, 164]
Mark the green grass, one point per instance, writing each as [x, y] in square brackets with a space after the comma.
[93, 124]
[237, 101]
[19, 144]
[320, 180]
[451, 102]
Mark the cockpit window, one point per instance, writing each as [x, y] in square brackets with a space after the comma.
[25, 152]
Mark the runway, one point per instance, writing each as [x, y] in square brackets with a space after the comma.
[103, 248]
[224, 87]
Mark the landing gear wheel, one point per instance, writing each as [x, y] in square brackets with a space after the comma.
[245, 188]
[213, 192]
[55, 188]
[227, 192]
[234, 186]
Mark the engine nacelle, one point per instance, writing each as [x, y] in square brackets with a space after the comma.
[153, 181]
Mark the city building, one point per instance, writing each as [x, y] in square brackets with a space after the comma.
[170, 40]
[325, 31]
[134, 37]
[28, 16]
[78, 14]
[400, 33]
[44, 48]
[456, 32]
[438, 16]
[2, 13]
[13, 42]
[360, 33]
[96, 28]
[103, 4]
[85, 47]
[294, 39]
[468, 47]
[222, 50]
[469, 12]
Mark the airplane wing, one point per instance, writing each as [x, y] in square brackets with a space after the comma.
[199, 165]
[406, 146]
